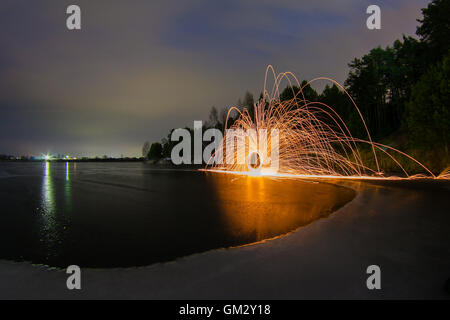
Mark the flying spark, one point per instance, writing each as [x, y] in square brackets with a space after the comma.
[313, 140]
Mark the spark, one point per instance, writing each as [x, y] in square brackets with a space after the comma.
[314, 141]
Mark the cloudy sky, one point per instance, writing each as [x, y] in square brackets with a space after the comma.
[139, 68]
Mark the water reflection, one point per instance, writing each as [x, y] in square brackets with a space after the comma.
[256, 208]
[68, 189]
[52, 218]
[48, 200]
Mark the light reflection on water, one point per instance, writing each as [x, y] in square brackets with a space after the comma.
[257, 208]
[48, 200]
[53, 219]
[68, 189]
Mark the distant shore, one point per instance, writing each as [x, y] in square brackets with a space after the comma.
[159, 164]
[78, 160]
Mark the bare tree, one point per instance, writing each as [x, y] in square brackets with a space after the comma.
[145, 149]
[223, 117]
[213, 117]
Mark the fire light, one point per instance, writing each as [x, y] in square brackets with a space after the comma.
[314, 141]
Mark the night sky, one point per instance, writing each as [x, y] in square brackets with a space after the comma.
[140, 68]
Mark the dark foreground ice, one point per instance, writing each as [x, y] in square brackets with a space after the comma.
[401, 226]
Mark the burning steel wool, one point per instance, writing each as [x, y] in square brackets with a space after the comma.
[302, 138]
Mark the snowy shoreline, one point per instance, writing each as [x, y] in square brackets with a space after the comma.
[406, 231]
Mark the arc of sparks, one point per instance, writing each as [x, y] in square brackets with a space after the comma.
[314, 140]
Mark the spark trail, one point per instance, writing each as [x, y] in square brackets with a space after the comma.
[313, 141]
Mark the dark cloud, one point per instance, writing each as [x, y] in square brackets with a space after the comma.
[139, 68]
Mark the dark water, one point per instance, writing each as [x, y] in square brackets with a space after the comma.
[127, 214]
